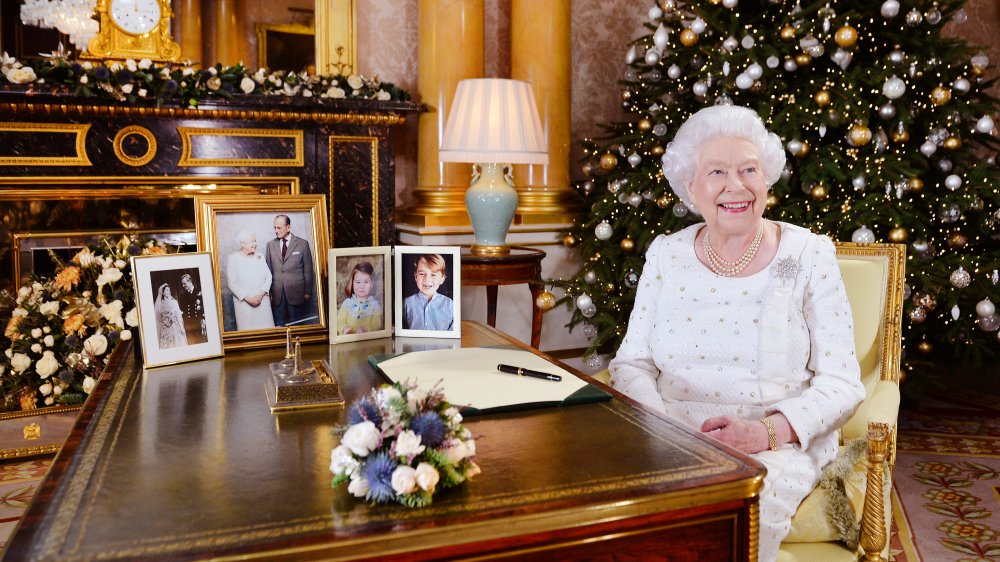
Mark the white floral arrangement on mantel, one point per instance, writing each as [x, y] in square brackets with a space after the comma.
[401, 444]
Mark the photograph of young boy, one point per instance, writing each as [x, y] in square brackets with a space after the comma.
[427, 309]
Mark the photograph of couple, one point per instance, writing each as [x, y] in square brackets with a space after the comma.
[179, 308]
[267, 271]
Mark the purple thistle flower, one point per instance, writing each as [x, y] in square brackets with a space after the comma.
[364, 410]
[378, 472]
[430, 427]
[76, 67]
[134, 250]
[71, 340]
[170, 86]
[124, 77]
[102, 73]
[66, 376]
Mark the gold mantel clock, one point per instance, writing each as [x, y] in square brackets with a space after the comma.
[136, 29]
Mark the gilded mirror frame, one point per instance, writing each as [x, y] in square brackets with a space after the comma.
[336, 37]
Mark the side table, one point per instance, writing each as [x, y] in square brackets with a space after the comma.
[522, 265]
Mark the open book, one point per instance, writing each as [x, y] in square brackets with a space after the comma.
[470, 378]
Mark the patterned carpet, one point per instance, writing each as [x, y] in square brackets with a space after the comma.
[946, 493]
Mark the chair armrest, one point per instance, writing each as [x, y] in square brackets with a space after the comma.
[874, 531]
[883, 405]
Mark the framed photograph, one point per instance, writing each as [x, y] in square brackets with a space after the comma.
[427, 291]
[271, 253]
[178, 308]
[35, 252]
[360, 307]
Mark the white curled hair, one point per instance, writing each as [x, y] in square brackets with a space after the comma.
[243, 236]
[681, 156]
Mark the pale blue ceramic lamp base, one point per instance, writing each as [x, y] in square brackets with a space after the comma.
[491, 201]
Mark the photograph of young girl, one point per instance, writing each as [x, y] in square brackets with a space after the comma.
[358, 291]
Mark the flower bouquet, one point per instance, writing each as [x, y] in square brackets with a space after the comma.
[62, 330]
[401, 444]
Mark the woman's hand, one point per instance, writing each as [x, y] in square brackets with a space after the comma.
[749, 436]
[254, 301]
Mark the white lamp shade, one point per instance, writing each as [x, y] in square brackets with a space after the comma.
[494, 120]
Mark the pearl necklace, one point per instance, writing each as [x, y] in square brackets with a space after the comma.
[727, 268]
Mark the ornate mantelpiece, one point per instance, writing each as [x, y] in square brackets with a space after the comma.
[83, 165]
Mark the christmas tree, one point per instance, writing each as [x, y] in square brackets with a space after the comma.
[890, 137]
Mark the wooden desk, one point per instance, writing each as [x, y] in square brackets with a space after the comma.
[186, 462]
[522, 265]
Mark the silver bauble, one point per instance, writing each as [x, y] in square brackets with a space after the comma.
[652, 57]
[588, 187]
[989, 323]
[950, 213]
[863, 235]
[887, 111]
[890, 9]
[985, 124]
[622, 197]
[897, 56]
[794, 146]
[603, 231]
[589, 330]
[894, 88]
[635, 199]
[631, 279]
[918, 315]
[928, 148]
[945, 165]
[634, 159]
[960, 17]
[859, 182]
[589, 312]
[960, 278]
[933, 16]
[985, 308]
[631, 55]
[730, 44]
[961, 85]
[674, 71]
[955, 312]
[590, 277]
[655, 13]
[755, 71]
[584, 301]
[743, 81]
[906, 290]
[699, 88]
[680, 210]
[659, 129]
[730, 3]
[661, 37]
[953, 182]
[921, 246]
[654, 76]
[747, 42]
[698, 25]
[914, 17]
[630, 75]
[790, 65]
[594, 361]
[772, 62]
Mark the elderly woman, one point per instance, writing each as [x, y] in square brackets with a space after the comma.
[249, 282]
[741, 327]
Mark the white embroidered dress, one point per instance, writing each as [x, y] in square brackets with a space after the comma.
[701, 345]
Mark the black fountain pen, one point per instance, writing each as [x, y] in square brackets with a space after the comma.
[522, 372]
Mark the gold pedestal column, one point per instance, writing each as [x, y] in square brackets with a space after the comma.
[540, 53]
[450, 50]
[189, 13]
[227, 33]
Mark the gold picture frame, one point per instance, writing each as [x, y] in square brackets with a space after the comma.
[286, 46]
[179, 320]
[351, 318]
[252, 277]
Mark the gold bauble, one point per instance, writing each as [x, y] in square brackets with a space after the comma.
[772, 201]
[657, 150]
[916, 185]
[569, 240]
[628, 245]
[925, 300]
[898, 235]
[957, 240]
[900, 135]
[787, 33]
[688, 38]
[608, 161]
[846, 36]
[819, 192]
[925, 347]
[940, 95]
[804, 150]
[859, 135]
[668, 5]
[977, 71]
[803, 59]
[609, 287]
[662, 202]
[952, 143]
[627, 95]
[822, 98]
[545, 301]
[645, 124]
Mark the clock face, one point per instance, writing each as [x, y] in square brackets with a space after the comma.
[136, 16]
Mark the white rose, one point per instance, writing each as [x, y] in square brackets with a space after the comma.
[120, 264]
[408, 444]
[214, 83]
[187, 71]
[23, 292]
[125, 335]
[112, 312]
[383, 95]
[36, 332]
[88, 384]
[453, 416]
[49, 308]
[21, 75]
[307, 93]
[142, 92]
[8, 352]
[46, 365]
[404, 479]
[456, 452]
[57, 390]
[145, 64]
[132, 317]
[96, 344]
[130, 64]
[19, 312]
[247, 85]
[361, 438]
[354, 81]
[473, 470]
[115, 66]
[49, 341]
[427, 477]
[127, 88]
[342, 461]
[50, 401]
[470, 447]
[84, 79]
[335, 93]
[19, 362]
[88, 65]
[358, 487]
[212, 71]
[46, 329]
[385, 395]
[36, 348]
[109, 275]
[37, 287]
[45, 389]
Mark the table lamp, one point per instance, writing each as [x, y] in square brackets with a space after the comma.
[493, 123]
